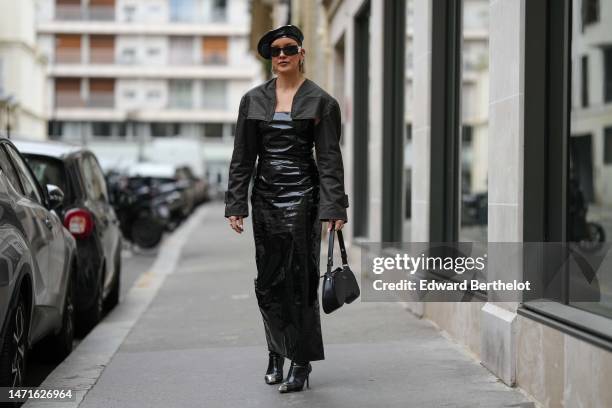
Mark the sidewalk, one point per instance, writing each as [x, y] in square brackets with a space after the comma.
[200, 343]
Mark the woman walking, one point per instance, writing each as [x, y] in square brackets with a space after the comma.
[278, 124]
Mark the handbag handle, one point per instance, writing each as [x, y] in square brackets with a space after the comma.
[330, 249]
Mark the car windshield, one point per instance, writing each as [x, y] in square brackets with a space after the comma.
[49, 171]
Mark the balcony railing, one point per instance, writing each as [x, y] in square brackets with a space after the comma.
[214, 102]
[74, 100]
[69, 100]
[101, 100]
[68, 56]
[101, 13]
[181, 60]
[92, 13]
[102, 56]
[215, 59]
[68, 12]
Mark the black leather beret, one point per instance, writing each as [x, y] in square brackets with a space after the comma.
[263, 47]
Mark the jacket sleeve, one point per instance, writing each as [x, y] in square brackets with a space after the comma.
[242, 163]
[332, 199]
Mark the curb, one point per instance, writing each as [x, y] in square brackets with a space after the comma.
[81, 369]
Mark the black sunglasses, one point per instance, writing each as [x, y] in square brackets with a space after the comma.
[288, 50]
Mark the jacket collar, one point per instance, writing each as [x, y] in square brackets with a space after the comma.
[297, 107]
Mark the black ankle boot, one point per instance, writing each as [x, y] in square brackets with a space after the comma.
[296, 378]
[274, 375]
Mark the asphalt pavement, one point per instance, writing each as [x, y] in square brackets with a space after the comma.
[199, 342]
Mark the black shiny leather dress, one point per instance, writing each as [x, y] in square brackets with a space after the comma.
[287, 232]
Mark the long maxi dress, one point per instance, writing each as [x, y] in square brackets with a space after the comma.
[287, 214]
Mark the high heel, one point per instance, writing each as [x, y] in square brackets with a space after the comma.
[298, 375]
[274, 374]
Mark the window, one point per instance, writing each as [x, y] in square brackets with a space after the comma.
[607, 156]
[101, 93]
[101, 129]
[55, 128]
[566, 179]
[129, 11]
[181, 96]
[182, 10]
[181, 50]
[608, 73]
[474, 123]
[68, 93]
[159, 129]
[9, 171]
[68, 10]
[98, 179]
[101, 10]
[361, 126]
[128, 56]
[213, 130]
[102, 49]
[214, 50]
[129, 94]
[29, 184]
[92, 187]
[584, 96]
[590, 12]
[214, 94]
[68, 48]
[153, 94]
[49, 171]
[219, 10]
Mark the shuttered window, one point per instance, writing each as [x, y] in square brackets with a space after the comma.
[214, 50]
[68, 48]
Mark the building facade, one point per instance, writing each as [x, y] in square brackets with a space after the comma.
[140, 69]
[501, 135]
[22, 72]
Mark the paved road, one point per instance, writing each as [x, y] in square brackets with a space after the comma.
[200, 343]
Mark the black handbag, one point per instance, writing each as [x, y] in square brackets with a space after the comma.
[339, 285]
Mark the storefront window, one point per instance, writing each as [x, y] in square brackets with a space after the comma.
[407, 168]
[589, 186]
[474, 120]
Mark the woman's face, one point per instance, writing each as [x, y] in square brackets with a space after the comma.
[286, 63]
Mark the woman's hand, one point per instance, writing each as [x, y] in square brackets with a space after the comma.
[338, 224]
[237, 224]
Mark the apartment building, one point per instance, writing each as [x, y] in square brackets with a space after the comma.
[139, 69]
[22, 72]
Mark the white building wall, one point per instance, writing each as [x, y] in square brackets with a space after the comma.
[23, 67]
[150, 11]
[238, 12]
[46, 45]
[45, 10]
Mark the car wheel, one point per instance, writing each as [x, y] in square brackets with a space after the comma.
[147, 233]
[90, 317]
[57, 347]
[112, 299]
[13, 352]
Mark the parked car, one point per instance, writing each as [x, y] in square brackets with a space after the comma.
[89, 216]
[165, 179]
[144, 214]
[37, 269]
[200, 185]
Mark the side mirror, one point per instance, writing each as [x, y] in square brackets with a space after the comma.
[56, 196]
